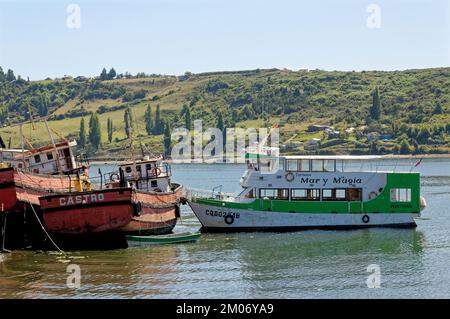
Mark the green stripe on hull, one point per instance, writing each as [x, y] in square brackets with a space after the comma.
[381, 204]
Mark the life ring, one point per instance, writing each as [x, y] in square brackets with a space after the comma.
[229, 219]
[289, 177]
[365, 219]
[156, 171]
[114, 177]
[372, 195]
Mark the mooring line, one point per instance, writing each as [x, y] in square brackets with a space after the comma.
[46, 233]
[3, 250]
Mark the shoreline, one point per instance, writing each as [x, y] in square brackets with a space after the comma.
[388, 156]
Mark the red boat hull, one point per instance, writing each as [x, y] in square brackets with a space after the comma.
[8, 198]
[17, 187]
[158, 213]
[87, 212]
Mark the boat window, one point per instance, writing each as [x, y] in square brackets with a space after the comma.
[305, 194]
[354, 194]
[333, 194]
[250, 194]
[299, 194]
[281, 164]
[317, 165]
[37, 158]
[329, 165]
[49, 156]
[138, 168]
[340, 194]
[291, 165]
[400, 194]
[313, 194]
[327, 194]
[128, 169]
[148, 166]
[274, 193]
[304, 165]
[154, 183]
[283, 194]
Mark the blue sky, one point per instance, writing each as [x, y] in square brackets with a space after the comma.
[174, 36]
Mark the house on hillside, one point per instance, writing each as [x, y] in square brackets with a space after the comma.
[291, 145]
[80, 78]
[386, 137]
[375, 136]
[312, 145]
[332, 133]
[318, 128]
[350, 130]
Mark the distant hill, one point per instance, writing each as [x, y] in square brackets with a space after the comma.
[414, 112]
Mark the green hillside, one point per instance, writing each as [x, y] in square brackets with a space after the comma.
[414, 107]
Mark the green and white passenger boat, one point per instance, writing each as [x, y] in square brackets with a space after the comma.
[311, 192]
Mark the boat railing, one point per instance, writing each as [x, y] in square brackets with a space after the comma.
[203, 193]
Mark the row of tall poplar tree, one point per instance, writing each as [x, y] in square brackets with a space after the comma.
[156, 127]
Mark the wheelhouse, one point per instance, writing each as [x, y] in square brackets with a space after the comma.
[149, 174]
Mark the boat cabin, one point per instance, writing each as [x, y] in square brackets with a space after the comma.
[318, 178]
[49, 159]
[149, 174]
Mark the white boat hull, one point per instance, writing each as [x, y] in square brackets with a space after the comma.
[213, 218]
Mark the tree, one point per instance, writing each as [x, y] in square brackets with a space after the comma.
[187, 117]
[128, 120]
[3, 114]
[110, 129]
[167, 139]
[375, 109]
[159, 124]
[220, 125]
[438, 109]
[373, 147]
[112, 74]
[82, 136]
[423, 135]
[148, 120]
[404, 147]
[10, 76]
[2, 75]
[44, 103]
[94, 131]
[104, 75]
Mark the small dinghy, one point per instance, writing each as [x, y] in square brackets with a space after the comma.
[162, 239]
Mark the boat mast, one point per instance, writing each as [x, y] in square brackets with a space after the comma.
[23, 146]
[130, 134]
[58, 164]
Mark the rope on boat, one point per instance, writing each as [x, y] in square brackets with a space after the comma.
[45, 231]
[3, 250]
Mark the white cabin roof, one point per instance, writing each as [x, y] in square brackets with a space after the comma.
[12, 150]
[335, 157]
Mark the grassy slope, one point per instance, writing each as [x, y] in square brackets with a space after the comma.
[337, 87]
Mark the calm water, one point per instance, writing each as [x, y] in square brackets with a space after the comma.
[310, 264]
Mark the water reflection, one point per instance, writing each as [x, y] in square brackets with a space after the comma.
[322, 264]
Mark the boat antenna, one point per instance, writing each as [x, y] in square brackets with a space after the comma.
[31, 116]
[23, 146]
[58, 163]
[133, 158]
